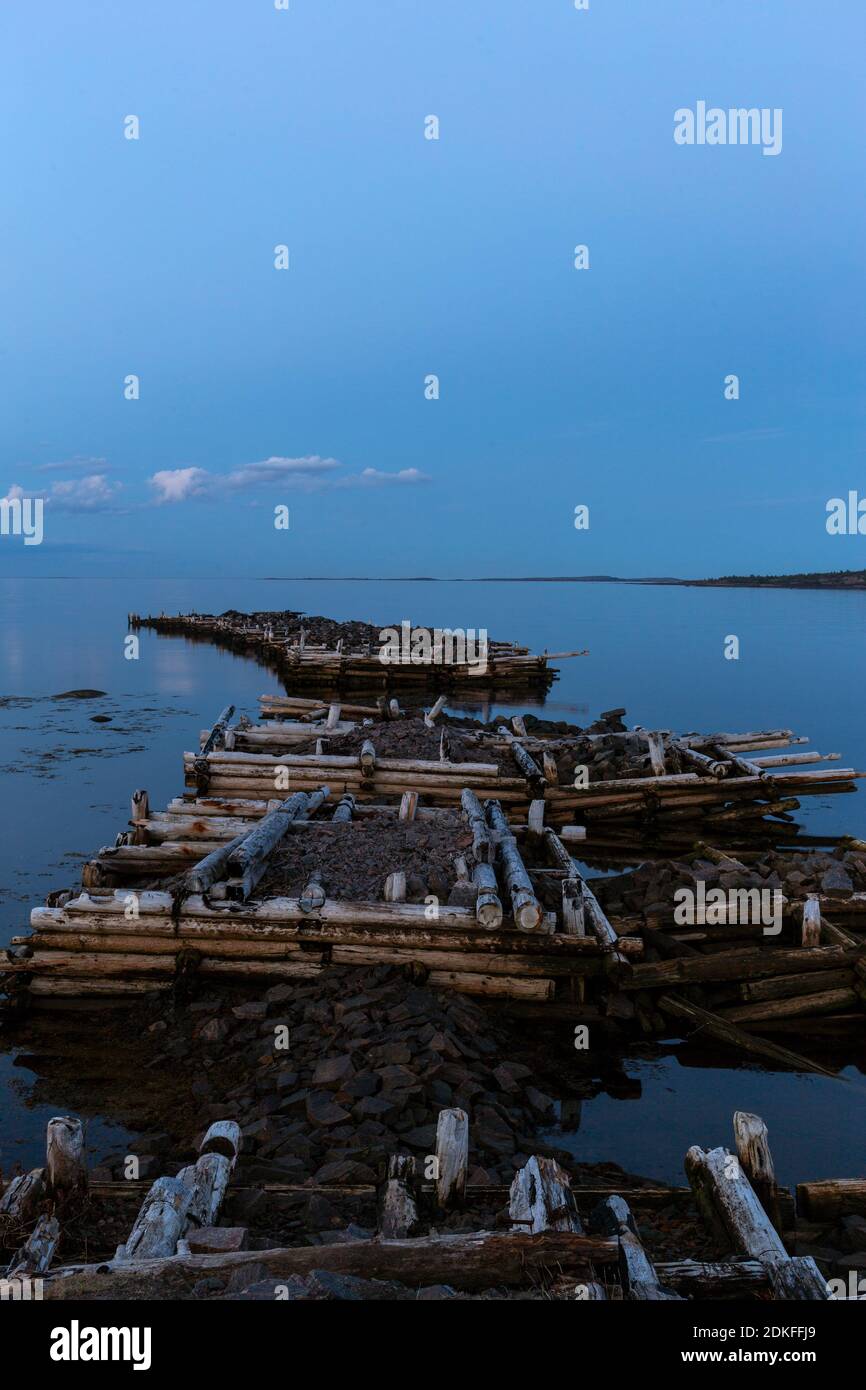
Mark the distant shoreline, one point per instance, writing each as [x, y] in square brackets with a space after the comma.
[839, 579]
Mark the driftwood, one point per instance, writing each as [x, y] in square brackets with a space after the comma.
[753, 1150]
[728, 1202]
[37, 1252]
[466, 1261]
[722, 1031]
[160, 1222]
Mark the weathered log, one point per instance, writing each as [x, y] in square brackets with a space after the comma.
[526, 909]
[367, 759]
[160, 1222]
[432, 714]
[395, 887]
[313, 896]
[541, 1198]
[20, 1203]
[452, 1157]
[139, 811]
[66, 1160]
[207, 1180]
[398, 1212]
[466, 1261]
[640, 1280]
[739, 965]
[213, 867]
[728, 1202]
[488, 906]
[345, 809]
[831, 1198]
[826, 1001]
[408, 806]
[728, 1033]
[37, 1252]
[249, 860]
[482, 846]
[527, 765]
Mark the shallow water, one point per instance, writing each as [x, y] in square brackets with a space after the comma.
[656, 650]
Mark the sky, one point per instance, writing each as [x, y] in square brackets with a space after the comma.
[307, 388]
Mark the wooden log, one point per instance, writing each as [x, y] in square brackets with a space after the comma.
[66, 1158]
[207, 1180]
[740, 965]
[452, 1157]
[313, 896]
[810, 931]
[535, 817]
[37, 1252]
[408, 806]
[482, 846]
[528, 766]
[728, 1201]
[488, 907]
[345, 809]
[640, 1281]
[398, 1212]
[432, 714]
[160, 1222]
[20, 1204]
[831, 1198]
[367, 759]
[333, 718]
[222, 1137]
[212, 868]
[478, 1260]
[800, 1006]
[249, 860]
[787, 986]
[752, 1143]
[217, 733]
[728, 1033]
[541, 1198]
[501, 986]
[526, 909]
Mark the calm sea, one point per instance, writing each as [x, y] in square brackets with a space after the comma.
[659, 651]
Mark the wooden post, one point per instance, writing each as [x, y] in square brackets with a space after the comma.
[452, 1154]
[541, 1199]
[753, 1150]
[139, 810]
[398, 1214]
[66, 1162]
[395, 887]
[408, 806]
[810, 934]
[160, 1222]
[333, 717]
[656, 753]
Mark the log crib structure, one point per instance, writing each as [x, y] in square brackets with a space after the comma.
[251, 874]
[285, 643]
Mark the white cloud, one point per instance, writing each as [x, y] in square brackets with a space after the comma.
[310, 474]
[180, 484]
[91, 494]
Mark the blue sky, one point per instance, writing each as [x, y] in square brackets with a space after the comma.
[409, 257]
